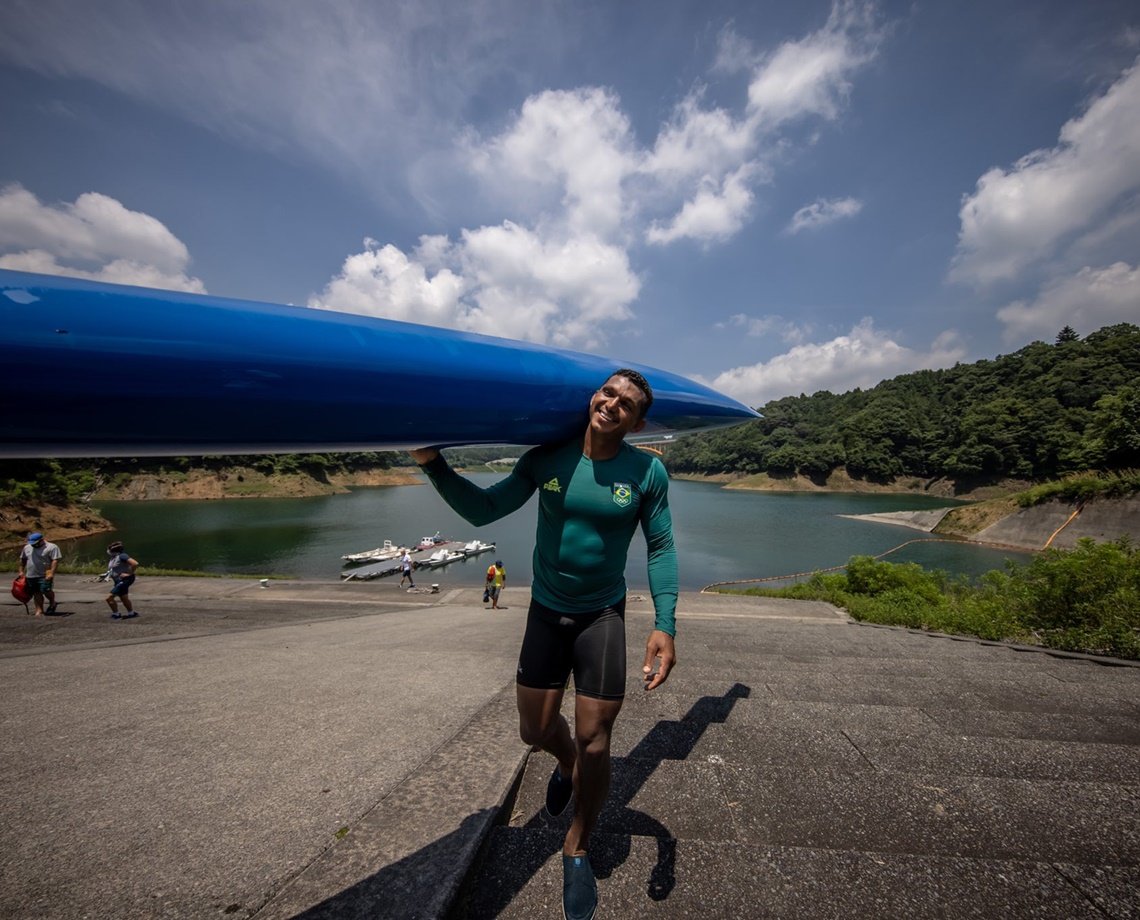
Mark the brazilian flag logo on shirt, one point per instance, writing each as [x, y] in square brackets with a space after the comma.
[623, 493]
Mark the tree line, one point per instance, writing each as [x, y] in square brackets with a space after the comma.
[61, 482]
[1039, 413]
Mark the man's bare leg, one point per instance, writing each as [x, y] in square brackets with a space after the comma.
[593, 724]
[541, 723]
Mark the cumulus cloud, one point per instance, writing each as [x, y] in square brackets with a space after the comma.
[383, 281]
[822, 212]
[575, 146]
[697, 143]
[1026, 216]
[862, 358]
[504, 280]
[812, 76]
[95, 237]
[716, 212]
[1091, 298]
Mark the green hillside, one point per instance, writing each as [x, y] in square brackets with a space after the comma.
[1041, 412]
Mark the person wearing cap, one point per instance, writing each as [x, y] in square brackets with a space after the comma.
[38, 562]
[121, 571]
[594, 492]
[496, 581]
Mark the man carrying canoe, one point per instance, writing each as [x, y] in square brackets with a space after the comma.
[594, 491]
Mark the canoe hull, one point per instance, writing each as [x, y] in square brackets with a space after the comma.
[109, 370]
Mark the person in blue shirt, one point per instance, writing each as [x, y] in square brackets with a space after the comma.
[594, 492]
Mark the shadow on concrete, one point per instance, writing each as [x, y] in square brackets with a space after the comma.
[618, 823]
[421, 885]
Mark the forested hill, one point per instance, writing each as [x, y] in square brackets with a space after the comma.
[1040, 412]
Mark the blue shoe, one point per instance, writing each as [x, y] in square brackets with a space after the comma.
[558, 792]
[133, 613]
[579, 889]
[116, 616]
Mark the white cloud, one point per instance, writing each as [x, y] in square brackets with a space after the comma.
[733, 53]
[504, 280]
[822, 212]
[1026, 216]
[574, 145]
[1091, 298]
[383, 281]
[696, 143]
[862, 358]
[811, 76]
[716, 212]
[95, 237]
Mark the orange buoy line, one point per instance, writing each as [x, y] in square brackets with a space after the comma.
[1072, 517]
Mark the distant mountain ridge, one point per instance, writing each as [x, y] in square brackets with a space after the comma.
[1039, 413]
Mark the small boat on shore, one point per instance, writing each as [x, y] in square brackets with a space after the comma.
[379, 554]
[439, 558]
[475, 547]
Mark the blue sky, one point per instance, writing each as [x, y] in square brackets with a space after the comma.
[774, 198]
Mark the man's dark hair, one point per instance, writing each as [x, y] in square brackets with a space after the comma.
[641, 383]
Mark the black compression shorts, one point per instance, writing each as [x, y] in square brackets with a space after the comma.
[592, 645]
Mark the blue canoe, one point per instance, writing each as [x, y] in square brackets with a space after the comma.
[100, 370]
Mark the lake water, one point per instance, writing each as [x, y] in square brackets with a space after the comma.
[720, 534]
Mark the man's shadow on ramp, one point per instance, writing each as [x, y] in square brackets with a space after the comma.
[415, 886]
[493, 885]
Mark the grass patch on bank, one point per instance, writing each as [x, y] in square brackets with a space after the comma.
[98, 568]
[1086, 599]
[1083, 487]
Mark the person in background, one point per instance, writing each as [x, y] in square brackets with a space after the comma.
[497, 580]
[406, 569]
[594, 492]
[38, 562]
[121, 571]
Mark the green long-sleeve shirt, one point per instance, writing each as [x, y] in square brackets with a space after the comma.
[587, 513]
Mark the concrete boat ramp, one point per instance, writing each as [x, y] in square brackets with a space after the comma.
[349, 750]
[925, 520]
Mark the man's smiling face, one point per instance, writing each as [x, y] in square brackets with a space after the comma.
[615, 409]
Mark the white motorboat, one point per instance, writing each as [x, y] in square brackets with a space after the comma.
[475, 547]
[430, 542]
[379, 554]
[440, 557]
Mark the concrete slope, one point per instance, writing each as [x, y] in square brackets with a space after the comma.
[1098, 520]
[813, 768]
[323, 750]
[350, 757]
